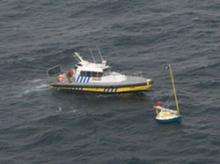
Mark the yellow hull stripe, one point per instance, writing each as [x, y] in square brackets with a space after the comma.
[120, 89]
[89, 89]
[134, 88]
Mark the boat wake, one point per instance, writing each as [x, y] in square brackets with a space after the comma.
[41, 87]
[36, 85]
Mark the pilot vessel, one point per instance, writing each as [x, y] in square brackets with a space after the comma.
[96, 77]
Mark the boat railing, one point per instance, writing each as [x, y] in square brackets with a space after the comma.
[54, 71]
[138, 74]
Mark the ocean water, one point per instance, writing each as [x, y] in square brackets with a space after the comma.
[41, 125]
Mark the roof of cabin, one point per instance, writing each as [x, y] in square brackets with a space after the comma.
[92, 67]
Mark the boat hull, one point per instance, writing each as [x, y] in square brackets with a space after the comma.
[113, 89]
[177, 119]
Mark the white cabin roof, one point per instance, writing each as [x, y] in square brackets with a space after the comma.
[92, 67]
[84, 65]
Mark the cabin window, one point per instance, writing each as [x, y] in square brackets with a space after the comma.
[107, 71]
[91, 74]
[96, 74]
[82, 73]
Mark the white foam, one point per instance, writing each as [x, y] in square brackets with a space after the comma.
[74, 111]
[59, 109]
[35, 85]
[42, 86]
[36, 80]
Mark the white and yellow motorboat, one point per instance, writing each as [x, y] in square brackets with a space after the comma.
[97, 78]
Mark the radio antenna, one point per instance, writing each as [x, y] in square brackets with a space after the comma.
[93, 58]
[100, 54]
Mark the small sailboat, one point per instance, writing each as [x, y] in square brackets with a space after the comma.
[166, 115]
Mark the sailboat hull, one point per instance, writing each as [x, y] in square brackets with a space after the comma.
[177, 119]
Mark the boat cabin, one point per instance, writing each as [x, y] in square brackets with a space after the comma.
[89, 69]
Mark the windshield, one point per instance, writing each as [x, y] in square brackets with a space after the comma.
[91, 74]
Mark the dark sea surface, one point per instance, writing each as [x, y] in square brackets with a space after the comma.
[41, 125]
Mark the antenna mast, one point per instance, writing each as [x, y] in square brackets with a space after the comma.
[174, 89]
[93, 58]
[78, 56]
[100, 54]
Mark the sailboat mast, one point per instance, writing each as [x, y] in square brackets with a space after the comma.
[174, 89]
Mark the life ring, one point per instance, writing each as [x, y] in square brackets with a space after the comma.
[60, 78]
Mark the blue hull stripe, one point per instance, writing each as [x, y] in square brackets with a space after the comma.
[110, 90]
[77, 80]
[86, 79]
[82, 79]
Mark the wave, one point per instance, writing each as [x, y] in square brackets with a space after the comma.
[32, 86]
